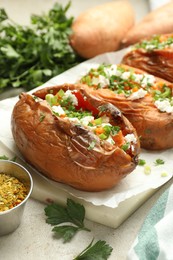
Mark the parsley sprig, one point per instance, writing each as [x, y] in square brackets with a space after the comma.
[4, 157]
[98, 251]
[73, 215]
[159, 162]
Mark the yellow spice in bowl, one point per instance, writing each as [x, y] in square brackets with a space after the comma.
[12, 192]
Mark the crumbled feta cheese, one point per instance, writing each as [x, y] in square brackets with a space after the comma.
[86, 120]
[95, 80]
[74, 120]
[130, 138]
[73, 99]
[111, 71]
[125, 75]
[164, 105]
[148, 79]
[138, 77]
[110, 140]
[101, 81]
[105, 119]
[138, 94]
[150, 46]
[58, 109]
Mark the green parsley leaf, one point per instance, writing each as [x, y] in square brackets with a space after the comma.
[66, 232]
[4, 157]
[74, 214]
[56, 214]
[141, 162]
[159, 162]
[98, 251]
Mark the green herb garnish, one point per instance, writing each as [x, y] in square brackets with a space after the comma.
[154, 43]
[42, 117]
[92, 145]
[4, 157]
[98, 251]
[159, 162]
[125, 147]
[73, 215]
[141, 162]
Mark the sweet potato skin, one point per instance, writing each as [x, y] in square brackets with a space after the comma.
[154, 128]
[101, 29]
[59, 149]
[156, 22]
[156, 62]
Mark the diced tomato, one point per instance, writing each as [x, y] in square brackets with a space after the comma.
[84, 104]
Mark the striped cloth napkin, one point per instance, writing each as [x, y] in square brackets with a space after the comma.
[155, 238]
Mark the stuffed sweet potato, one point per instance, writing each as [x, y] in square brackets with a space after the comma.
[74, 138]
[101, 28]
[154, 55]
[159, 21]
[143, 98]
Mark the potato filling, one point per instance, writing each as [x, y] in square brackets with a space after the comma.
[72, 105]
[132, 85]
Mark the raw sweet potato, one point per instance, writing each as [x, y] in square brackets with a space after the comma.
[74, 138]
[101, 29]
[147, 101]
[154, 55]
[158, 21]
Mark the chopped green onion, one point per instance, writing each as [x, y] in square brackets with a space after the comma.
[98, 121]
[147, 169]
[92, 145]
[61, 93]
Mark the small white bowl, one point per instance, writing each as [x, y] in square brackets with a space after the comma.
[11, 219]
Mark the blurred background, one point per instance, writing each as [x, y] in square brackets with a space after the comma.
[20, 10]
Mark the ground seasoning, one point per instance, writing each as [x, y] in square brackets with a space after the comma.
[12, 192]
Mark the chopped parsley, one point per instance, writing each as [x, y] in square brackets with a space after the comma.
[42, 117]
[159, 162]
[141, 162]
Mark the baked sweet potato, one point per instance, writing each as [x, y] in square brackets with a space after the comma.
[158, 21]
[75, 138]
[143, 98]
[154, 55]
[101, 29]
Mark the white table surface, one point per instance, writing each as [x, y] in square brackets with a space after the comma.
[34, 239]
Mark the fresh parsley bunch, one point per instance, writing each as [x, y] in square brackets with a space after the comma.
[31, 55]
